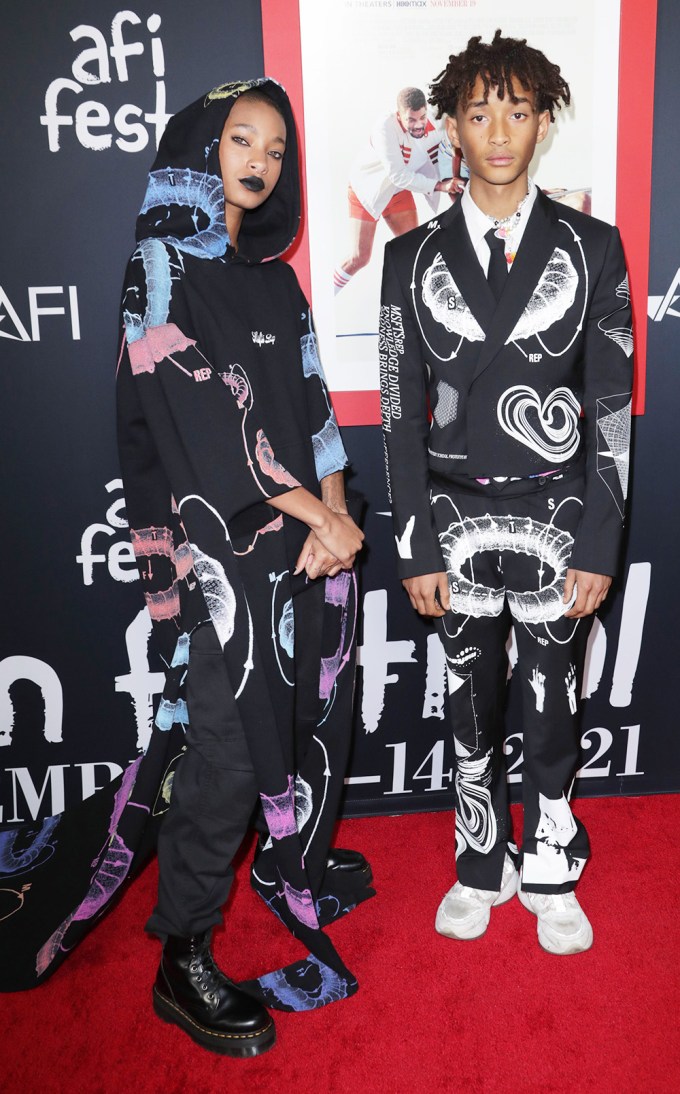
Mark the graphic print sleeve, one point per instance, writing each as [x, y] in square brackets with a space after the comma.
[608, 378]
[210, 428]
[329, 453]
[405, 430]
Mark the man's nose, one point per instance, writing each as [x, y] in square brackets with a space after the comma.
[498, 134]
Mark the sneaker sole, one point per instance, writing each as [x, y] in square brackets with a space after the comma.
[442, 927]
[226, 1044]
[554, 944]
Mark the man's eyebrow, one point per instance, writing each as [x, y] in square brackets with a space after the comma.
[253, 129]
[484, 102]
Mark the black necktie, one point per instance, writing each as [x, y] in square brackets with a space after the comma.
[498, 267]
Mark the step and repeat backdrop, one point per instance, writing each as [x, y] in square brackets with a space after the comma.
[88, 88]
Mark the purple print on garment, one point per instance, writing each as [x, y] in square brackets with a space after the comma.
[337, 595]
[279, 811]
[17, 856]
[301, 904]
[112, 870]
[306, 985]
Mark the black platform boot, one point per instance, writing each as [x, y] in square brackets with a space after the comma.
[339, 858]
[193, 993]
[348, 862]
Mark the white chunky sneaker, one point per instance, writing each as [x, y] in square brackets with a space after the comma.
[563, 926]
[464, 913]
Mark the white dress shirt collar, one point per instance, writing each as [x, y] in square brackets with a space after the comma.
[478, 224]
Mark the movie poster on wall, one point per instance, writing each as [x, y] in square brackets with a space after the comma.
[356, 57]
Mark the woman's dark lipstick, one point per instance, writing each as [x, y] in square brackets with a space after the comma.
[253, 182]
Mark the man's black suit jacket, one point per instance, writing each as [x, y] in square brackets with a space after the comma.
[540, 380]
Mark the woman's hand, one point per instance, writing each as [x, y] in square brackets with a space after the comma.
[341, 537]
[316, 560]
[337, 533]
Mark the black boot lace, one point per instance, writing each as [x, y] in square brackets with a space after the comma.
[205, 972]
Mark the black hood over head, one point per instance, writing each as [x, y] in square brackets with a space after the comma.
[184, 201]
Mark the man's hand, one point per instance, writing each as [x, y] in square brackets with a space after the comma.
[316, 560]
[591, 590]
[421, 591]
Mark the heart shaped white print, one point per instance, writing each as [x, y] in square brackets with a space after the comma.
[549, 428]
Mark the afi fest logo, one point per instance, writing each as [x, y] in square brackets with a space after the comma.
[61, 300]
[104, 58]
[604, 752]
[32, 792]
[114, 551]
[658, 307]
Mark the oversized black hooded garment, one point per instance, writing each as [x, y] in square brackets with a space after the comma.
[222, 405]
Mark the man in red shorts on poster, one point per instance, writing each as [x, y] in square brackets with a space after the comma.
[403, 158]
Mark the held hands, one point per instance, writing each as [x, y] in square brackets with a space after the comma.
[429, 593]
[331, 547]
[316, 560]
[591, 590]
[341, 536]
[334, 539]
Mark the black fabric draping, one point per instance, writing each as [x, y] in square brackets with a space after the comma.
[222, 405]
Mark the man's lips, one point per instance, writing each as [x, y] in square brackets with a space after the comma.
[252, 182]
[499, 161]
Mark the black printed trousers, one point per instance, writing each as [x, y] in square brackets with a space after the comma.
[214, 798]
[506, 553]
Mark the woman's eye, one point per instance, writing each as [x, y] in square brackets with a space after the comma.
[277, 155]
[240, 140]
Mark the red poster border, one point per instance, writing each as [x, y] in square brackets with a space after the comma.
[637, 57]
[283, 61]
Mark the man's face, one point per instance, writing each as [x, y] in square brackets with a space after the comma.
[414, 121]
[498, 137]
[252, 145]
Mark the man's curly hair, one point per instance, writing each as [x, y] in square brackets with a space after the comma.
[499, 64]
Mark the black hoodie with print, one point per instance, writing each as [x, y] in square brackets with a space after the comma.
[222, 404]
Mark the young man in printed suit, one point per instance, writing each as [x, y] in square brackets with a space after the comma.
[510, 314]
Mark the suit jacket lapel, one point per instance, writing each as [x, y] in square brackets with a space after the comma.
[540, 238]
[458, 253]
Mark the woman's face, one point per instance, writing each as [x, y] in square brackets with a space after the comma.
[251, 152]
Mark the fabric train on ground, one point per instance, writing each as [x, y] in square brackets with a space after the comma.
[222, 405]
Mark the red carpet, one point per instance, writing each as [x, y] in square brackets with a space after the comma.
[496, 1015]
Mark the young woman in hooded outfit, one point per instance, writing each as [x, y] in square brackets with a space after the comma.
[232, 466]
